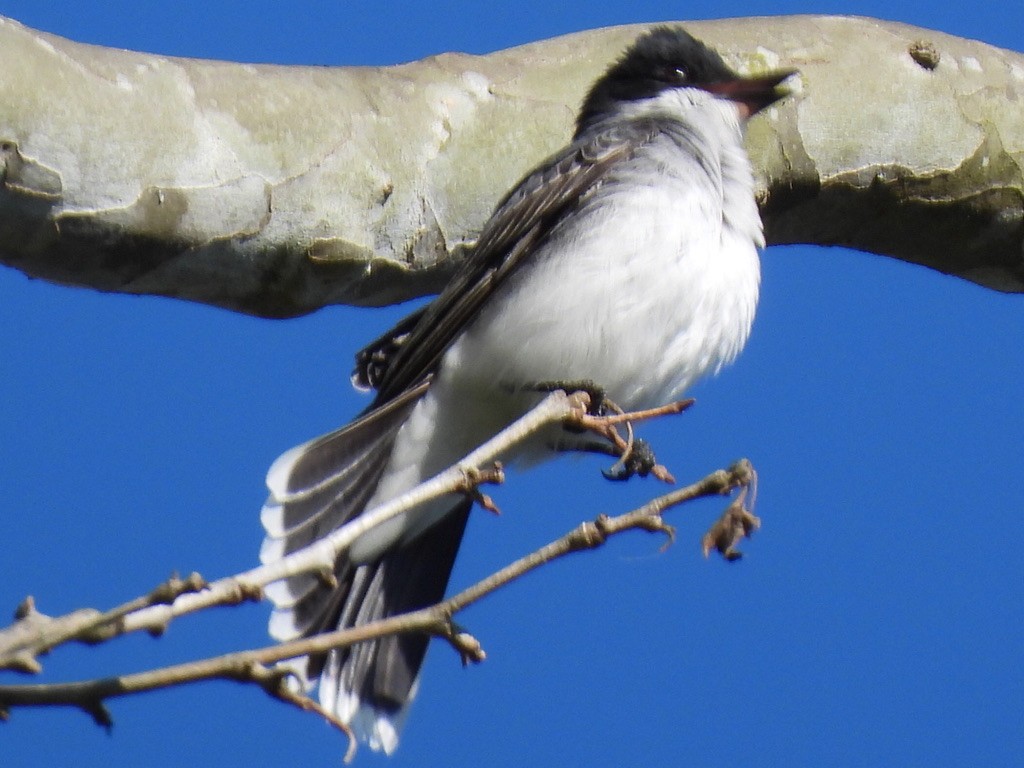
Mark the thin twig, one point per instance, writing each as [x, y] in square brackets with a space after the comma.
[250, 666]
[35, 633]
[176, 597]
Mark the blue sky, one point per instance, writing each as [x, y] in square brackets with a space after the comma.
[878, 618]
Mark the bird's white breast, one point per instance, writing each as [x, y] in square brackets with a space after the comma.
[645, 289]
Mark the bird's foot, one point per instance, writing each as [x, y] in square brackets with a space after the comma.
[596, 394]
[637, 460]
[635, 457]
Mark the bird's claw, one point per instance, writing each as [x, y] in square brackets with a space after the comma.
[638, 459]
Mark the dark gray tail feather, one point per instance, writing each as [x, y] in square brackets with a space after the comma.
[379, 677]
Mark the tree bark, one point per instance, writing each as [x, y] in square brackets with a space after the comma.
[277, 190]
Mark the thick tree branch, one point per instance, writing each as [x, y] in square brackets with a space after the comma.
[278, 190]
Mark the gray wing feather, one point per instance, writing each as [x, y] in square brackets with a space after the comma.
[519, 224]
[318, 487]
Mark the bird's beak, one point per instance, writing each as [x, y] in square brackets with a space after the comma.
[752, 94]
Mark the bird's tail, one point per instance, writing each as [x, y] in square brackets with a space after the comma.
[371, 685]
[314, 489]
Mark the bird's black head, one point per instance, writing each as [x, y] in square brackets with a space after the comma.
[669, 57]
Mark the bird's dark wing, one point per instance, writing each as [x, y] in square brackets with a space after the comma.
[401, 358]
[372, 361]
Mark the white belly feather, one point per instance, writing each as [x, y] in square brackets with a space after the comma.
[582, 310]
[644, 334]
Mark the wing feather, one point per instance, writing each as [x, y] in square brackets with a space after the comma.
[520, 223]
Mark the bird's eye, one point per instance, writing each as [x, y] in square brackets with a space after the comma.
[680, 73]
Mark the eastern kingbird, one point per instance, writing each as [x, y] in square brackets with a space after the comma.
[629, 258]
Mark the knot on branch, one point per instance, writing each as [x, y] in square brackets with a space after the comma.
[26, 608]
[99, 713]
[34, 633]
[23, 662]
[242, 592]
[473, 478]
[468, 647]
[594, 533]
[174, 587]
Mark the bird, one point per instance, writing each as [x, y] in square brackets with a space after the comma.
[629, 258]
